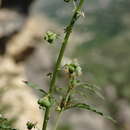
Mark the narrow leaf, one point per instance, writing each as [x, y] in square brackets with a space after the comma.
[90, 108]
[34, 86]
[41, 90]
[91, 85]
[93, 89]
[80, 93]
[30, 84]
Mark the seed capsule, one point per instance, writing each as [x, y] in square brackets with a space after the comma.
[44, 102]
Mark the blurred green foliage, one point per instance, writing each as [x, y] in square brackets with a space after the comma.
[107, 53]
[5, 124]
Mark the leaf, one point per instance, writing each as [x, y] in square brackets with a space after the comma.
[80, 93]
[34, 86]
[30, 84]
[99, 94]
[90, 108]
[92, 88]
[41, 90]
[91, 85]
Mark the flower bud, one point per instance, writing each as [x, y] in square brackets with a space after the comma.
[71, 68]
[50, 37]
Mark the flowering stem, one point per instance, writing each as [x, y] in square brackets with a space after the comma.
[64, 101]
[64, 44]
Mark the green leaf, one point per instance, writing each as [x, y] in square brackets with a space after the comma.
[34, 86]
[30, 84]
[90, 108]
[80, 93]
[92, 88]
[91, 85]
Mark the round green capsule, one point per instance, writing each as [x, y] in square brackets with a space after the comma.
[44, 102]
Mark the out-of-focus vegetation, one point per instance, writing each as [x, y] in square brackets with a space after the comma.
[5, 124]
[107, 53]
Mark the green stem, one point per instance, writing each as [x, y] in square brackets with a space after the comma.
[64, 44]
[66, 98]
[57, 120]
[65, 101]
[46, 118]
[62, 109]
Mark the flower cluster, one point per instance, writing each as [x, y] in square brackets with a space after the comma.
[73, 68]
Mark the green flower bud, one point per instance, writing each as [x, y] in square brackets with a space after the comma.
[45, 102]
[72, 68]
[50, 37]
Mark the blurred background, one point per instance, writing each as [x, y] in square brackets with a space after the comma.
[100, 41]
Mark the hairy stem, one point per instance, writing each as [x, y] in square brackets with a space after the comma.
[63, 47]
